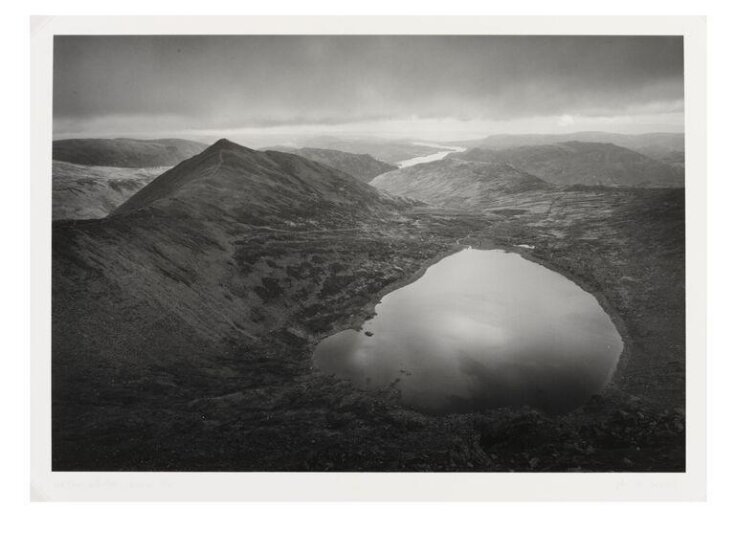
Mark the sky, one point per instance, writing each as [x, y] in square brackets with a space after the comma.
[422, 87]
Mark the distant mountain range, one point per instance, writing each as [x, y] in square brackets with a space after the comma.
[456, 182]
[125, 152]
[362, 166]
[106, 173]
[584, 164]
[656, 145]
[387, 151]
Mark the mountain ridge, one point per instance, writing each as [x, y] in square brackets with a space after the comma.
[578, 163]
[362, 166]
[235, 182]
[125, 152]
[455, 182]
[653, 144]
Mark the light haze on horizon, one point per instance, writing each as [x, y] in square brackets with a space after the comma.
[261, 90]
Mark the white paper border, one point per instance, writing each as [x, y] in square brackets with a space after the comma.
[106, 486]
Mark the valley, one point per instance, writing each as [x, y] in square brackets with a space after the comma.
[364, 167]
[184, 324]
[91, 192]
[431, 157]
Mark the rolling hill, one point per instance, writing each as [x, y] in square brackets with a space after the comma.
[362, 166]
[655, 144]
[387, 151]
[125, 152]
[584, 164]
[456, 182]
[88, 192]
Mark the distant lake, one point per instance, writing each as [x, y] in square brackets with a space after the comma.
[481, 329]
[429, 158]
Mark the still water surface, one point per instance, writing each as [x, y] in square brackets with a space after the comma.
[481, 329]
[431, 157]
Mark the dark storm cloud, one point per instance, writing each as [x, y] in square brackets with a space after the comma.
[210, 82]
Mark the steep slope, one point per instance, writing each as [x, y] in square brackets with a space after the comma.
[362, 166]
[177, 272]
[454, 182]
[125, 152]
[87, 192]
[231, 182]
[654, 144]
[584, 164]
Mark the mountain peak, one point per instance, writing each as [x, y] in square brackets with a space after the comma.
[225, 144]
[230, 181]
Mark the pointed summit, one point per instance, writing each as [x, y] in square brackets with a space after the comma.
[225, 144]
[228, 181]
[222, 142]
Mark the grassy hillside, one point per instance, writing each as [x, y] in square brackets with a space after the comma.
[361, 166]
[88, 192]
[387, 151]
[228, 182]
[456, 183]
[584, 164]
[125, 152]
[173, 271]
[654, 144]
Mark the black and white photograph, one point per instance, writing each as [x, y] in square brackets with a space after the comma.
[368, 253]
[284, 251]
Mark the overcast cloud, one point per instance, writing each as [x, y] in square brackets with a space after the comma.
[473, 85]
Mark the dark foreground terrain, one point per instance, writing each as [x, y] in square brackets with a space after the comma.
[186, 344]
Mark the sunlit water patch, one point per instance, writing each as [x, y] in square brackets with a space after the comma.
[431, 157]
[479, 330]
